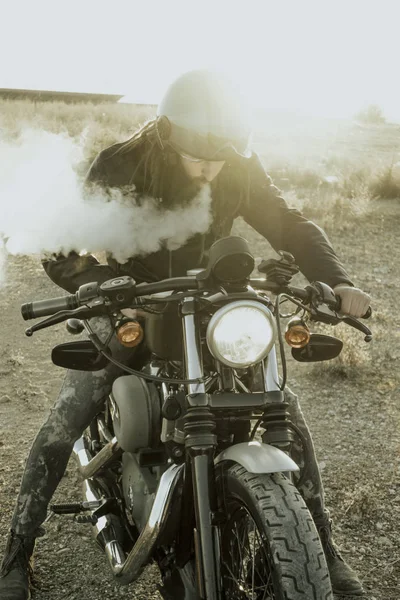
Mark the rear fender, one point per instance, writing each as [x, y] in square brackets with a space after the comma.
[256, 457]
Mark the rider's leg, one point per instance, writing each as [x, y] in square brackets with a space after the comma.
[81, 398]
[311, 487]
[343, 578]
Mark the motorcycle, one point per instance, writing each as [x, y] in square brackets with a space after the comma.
[189, 464]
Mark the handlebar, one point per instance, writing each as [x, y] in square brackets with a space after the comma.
[122, 292]
[177, 284]
[121, 289]
[325, 292]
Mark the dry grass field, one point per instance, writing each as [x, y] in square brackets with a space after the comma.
[343, 176]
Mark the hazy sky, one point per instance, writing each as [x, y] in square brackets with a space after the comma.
[316, 57]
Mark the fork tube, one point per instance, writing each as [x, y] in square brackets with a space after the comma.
[205, 534]
[191, 339]
[271, 376]
[200, 443]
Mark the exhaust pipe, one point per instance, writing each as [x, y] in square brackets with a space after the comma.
[89, 466]
[127, 568]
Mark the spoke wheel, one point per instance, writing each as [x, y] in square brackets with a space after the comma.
[247, 569]
[270, 548]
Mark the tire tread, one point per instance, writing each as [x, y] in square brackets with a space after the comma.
[299, 559]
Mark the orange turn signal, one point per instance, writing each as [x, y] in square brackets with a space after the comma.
[297, 333]
[130, 334]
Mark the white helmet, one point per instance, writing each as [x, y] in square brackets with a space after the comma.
[208, 117]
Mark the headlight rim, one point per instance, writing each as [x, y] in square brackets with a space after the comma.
[215, 319]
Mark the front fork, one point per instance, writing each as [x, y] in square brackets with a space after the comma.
[200, 451]
[201, 443]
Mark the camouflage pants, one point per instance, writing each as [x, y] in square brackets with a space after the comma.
[81, 398]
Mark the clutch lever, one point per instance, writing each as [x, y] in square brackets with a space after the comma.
[92, 309]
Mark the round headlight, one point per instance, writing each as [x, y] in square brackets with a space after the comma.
[241, 333]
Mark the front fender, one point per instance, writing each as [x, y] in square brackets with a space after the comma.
[256, 457]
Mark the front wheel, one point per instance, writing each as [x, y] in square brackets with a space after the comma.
[270, 548]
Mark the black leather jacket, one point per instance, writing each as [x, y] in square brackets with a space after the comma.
[265, 210]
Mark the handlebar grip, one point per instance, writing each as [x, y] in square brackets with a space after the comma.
[339, 303]
[43, 308]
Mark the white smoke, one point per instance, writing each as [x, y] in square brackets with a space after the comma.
[44, 210]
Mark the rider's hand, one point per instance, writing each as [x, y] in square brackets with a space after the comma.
[355, 302]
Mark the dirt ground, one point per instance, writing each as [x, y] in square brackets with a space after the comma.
[352, 407]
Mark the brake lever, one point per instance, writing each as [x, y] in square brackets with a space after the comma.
[92, 309]
[324, 314]
[353, 322]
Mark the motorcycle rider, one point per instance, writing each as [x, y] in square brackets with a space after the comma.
[199, 137]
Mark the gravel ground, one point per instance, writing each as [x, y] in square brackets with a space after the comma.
[352, 406]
